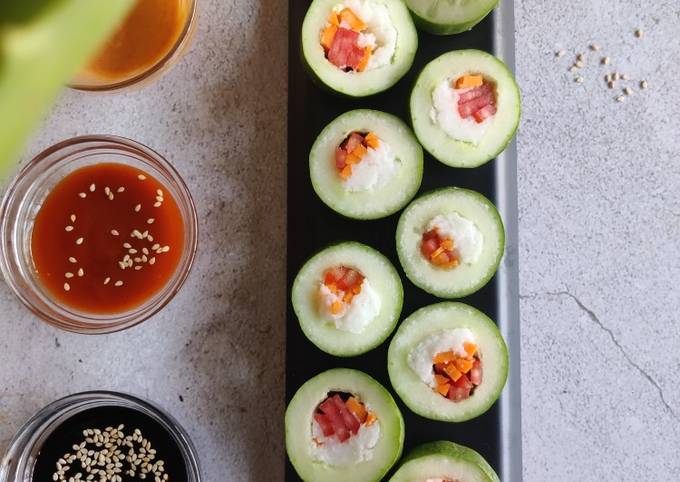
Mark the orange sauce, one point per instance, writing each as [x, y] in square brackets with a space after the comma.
[147, 35]
[82, 233]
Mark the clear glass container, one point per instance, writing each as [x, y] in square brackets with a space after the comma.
[91, 83]
[18, 463]
[23, 201]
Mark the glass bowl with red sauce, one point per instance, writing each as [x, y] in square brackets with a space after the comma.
[98, 234]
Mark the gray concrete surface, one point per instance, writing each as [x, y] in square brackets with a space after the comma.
[599, 231]
[599, 221]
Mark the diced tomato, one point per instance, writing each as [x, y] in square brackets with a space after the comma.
[351, 279]
[329, 409]
[474, 93]
[351, 422]
[476, 372]
[353, 141]
[484, 113]
[335, 274]
[340, 156]
[324, 423]
[344, 51]
[466, 109]
[457, 394]
[463, 382]
[429, 246]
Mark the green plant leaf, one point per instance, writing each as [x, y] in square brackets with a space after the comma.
[42, 45]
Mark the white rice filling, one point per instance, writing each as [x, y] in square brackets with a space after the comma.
[358, 448]
[420, 358]
[375, 169]
[468, 240]
[444, 113]
[380, 34]
[355, 316]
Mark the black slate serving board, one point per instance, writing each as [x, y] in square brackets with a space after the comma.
[312, 226]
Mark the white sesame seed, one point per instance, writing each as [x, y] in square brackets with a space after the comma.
[580, 57]
[92, 187]
[132, 251]
[150, 221]
[643, 84]
[68, 275]
[159, 192]
[627, 91]
[616, 76]
[160, 199]
[118, 283]
[149, 237]
[106, 281]
[155, 246]
[120, 189]
[126, 258]
[110, 196]
[144, 258]
[127, 245]
[138, 267]
[121, 264]
[152, 261]
[68, 229]
[136, 234]
[138, 207]
[639, 33]
[573, 68]
[67, 287]
[560, 53]
[107, 190]
[166, 249]
[578, 79]
[79, 241]
[625, 77]
[611, 84]
[115, 232]
[620, 98]
[157, 204]
[72, 260]
[595, 47]
[73, 218]
[605, 60]
[141, 177]
[145, 251]
[82, 195]
[81, 272]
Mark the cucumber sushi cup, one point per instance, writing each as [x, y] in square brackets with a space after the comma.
[444, 461]
[366, 164]
[465, 107]
[343, 425]
[347, 298]
[444, 17]
[450, 241]
[448, 362]
[358, 47]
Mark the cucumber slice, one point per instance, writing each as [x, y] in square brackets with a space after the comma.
[444, 460]
[384, 281]
[501, 127]
[445, 17]
[422, 326]
[378, 400]
[368, 82]
[383, 199]
[465, 278]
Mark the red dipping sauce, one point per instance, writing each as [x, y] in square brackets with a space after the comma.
[107, 238]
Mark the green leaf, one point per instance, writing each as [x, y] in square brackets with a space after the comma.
[43, 43]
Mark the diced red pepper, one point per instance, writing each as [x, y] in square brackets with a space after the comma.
[484, 113]
[344, 51]
[474, 93]
[463, 382]
[479, 102]
[457, 394]
[476, 372]
[350, 279]
[351, 422]
[429, 246]
[329, 409]
[353, 141]
[466, 109]
[324, 423]
[340, 156]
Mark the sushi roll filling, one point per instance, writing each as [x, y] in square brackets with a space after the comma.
[451, 239]
[347, 299]
[344, 430]
[464, 106]
[358, 36]
[364, 161]
[450, 363]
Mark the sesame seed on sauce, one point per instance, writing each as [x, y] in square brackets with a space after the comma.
[96, 239]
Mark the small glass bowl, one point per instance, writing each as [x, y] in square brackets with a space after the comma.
[23, 201]
[91, 83]
[18, 463]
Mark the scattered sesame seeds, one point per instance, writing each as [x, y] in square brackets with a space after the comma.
[639, 33]
[152, 260]
[157, 204]
[120, 189]
[150, 221]
[79, 241]
[573, 68]
[141, 177]
[560, 53]
[68, 275]
[628, 91]
[67, 287]
[150, 238]
[625, 77]
[643, 84]
[81, 272]
[605, 60]
[110, 196]
[138, 267]
[159, 192]
[106, 281]
[115, 232]
[595, 47]
[145, 251]
[107, 190]
[118, 283]
[68, 229]
[620, 98]
[127, 245]
[165, 249]
[72, 260]
[578, 79]
[136, 234]
[92, 187]
[580, 57]
[82, 195]
[73, 218]
[159, 199]
[578, 64]
[132, 251]
[138, 207]
[611, 84]
[155, 246]
[616, 76]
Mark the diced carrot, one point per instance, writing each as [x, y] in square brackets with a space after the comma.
[470, 348]
[333, 19]
[443, 389]
[370, 419]
[437, 252]
[356, 289]
[447, 244]
[441, 259]
[332, 288]
[440, 368]
[328, 35]
[348, 298]
[463, 365]
[444, 357]
[363, 63]
[346, 171]
[336, 307]
[359, 151]
[469, 81]
[352, 159]
[357, 408]
[452, 372]
[372, 140]
[352, 20]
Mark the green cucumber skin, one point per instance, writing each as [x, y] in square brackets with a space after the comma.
[447, 29]
[483, 281]
[455, 451]
[397, 311]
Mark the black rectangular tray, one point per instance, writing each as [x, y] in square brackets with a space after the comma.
[312, 225]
